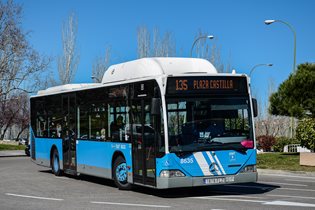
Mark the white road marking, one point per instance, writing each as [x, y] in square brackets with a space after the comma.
[34, 197]
[233, 196]
[266, 188]
[229, 199]
[291, 196]
[296, 180]
[284, 175]
[298, 185]
[275, 203]
[130, 204]
[296, 189]
[287, 203]
[61, 177]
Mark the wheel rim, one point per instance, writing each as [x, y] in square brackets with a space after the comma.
[56, 163]
[121, 173]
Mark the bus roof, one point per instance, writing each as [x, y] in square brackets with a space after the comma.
[148, 67]
[66, 88]
[141, 68]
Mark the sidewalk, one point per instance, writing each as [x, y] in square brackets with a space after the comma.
[12, 153]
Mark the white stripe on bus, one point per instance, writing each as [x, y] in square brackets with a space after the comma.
[204, 166]
[219, 163]
[212, 161]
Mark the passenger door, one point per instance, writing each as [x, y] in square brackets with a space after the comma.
[69, 133]
[143, 138]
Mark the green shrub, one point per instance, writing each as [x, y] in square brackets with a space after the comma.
[282, 141]
[305, 133]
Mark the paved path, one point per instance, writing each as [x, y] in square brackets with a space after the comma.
[24, 185]
[12, 153]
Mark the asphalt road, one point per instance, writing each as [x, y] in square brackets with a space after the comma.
[24, 185]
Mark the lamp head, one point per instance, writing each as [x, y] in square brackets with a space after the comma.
[210, 36]
[268, 22]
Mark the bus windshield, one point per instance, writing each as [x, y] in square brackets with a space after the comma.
[199, 124]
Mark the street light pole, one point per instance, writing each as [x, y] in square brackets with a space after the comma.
[268, 22]
[254, 67]
[196, 40]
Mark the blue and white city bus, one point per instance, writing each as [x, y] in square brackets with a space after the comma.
[156, 122]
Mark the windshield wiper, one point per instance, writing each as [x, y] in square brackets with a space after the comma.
[210, 144]
[216, 145]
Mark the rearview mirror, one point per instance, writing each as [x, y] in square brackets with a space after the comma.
[155, 106]
[255, 107]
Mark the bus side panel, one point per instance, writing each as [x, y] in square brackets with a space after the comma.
[42, 150]
[95, 158]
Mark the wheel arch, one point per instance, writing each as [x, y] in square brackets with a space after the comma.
[53, 147]
[115, 156]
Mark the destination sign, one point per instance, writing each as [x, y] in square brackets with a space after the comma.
[210, 84]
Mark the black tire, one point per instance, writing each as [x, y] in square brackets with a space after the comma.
[55, 163]
[120, 174]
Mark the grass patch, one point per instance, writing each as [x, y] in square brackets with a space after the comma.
[11, 147]
[282, 161]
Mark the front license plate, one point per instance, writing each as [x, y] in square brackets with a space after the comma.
[219, 180]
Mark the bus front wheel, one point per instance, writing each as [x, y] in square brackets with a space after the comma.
[55, 164]
[120, 174]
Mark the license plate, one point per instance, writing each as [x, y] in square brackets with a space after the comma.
[219, 180]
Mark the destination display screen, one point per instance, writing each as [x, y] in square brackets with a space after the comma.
[209, 84]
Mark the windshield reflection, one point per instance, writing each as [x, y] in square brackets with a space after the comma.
[208, 124]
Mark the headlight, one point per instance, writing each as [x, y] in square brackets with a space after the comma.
[249, 168]
[171, 173]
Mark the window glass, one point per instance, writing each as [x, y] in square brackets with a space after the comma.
[204, 124]
[54, 118]
[41, 119]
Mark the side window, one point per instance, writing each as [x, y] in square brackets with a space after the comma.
[98, 122]
[41, 119]
[118, 110]
[84, 120]
[54, 116]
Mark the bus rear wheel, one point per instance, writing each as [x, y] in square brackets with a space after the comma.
[55, 164]
[120, 174]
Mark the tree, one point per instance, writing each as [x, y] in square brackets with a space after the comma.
[163, 46]
[21, 67]
[210, 52]
[296, 96]
[143, 37]
[267, 124]
[305, 133]
[68, 62]
[100, 65]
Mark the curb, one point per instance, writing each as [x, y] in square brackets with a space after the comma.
[5, 156]
[282, 172]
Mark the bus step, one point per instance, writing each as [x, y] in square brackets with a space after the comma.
[71, 172]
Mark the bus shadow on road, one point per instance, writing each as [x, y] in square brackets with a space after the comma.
[237, 189]
[213, 190]
[87, 178]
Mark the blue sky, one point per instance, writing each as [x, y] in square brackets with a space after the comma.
[238, 27]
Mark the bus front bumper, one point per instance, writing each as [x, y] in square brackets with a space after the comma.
[163, 183]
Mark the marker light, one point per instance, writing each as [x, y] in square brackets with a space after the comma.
[247, 143]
